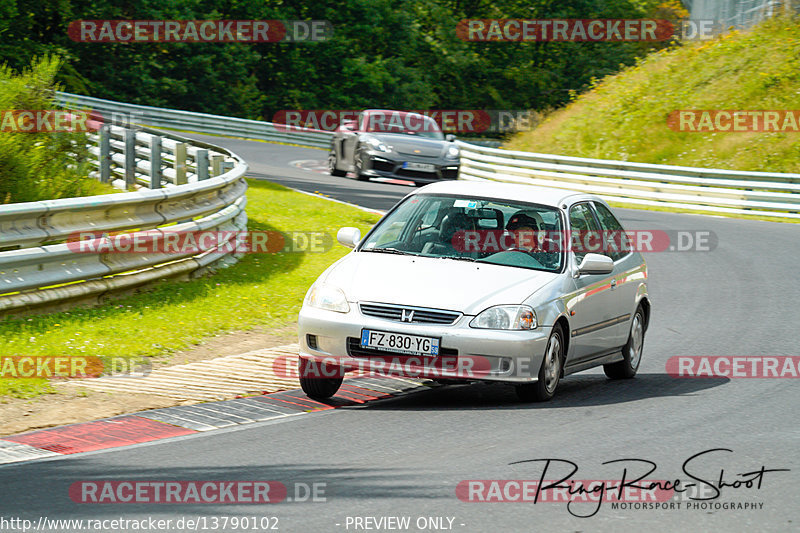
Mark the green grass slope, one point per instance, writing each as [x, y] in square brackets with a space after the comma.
[625, 115]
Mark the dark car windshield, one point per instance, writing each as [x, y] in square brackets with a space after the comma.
[471, 229]
[403, 123]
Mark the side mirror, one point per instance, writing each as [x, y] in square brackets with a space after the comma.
[349, 125]
[449, 137]
[596, 264]
[349, 237]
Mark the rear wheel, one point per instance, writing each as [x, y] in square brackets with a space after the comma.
[631, 352]
[314, 382]
[549, 373]
[332, 162]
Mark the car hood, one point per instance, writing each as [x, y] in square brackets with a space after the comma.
[409, 144]
[433, 282]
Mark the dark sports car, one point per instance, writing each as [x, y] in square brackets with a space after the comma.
[393, 144]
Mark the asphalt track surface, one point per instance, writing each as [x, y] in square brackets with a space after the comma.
[404, 457]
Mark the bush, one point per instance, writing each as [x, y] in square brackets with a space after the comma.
[40, 166]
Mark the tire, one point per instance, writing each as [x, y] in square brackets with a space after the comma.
[317, 387]
[632, 351]
[332, 160]
[549, 373]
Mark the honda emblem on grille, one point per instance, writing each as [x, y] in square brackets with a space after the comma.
[407, 315]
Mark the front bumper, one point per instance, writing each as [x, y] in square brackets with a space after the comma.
[383, 165]
[465, 353]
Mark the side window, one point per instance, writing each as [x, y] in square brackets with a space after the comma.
[584, 230]
[617, 244]
[360, 122]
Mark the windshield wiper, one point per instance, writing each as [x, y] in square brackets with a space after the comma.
[388, 251]
[458, 258]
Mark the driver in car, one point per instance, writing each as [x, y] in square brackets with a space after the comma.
[524, 228]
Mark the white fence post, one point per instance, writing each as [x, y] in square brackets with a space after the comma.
[155, 162]
[180, 164]
[130, 158]
[201, 164]
[105, 153]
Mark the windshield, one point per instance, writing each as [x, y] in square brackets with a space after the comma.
[403, 123]
[471, 229]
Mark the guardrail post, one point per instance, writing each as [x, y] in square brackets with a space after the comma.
[130, 158]
[180, 164]
[201, 163]
[227, 166]
[216, 165]
[105, 153]
[155, 162]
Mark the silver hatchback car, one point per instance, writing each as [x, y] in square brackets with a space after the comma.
[465, 281]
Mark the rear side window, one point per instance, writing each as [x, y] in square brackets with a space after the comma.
[616, 245]
[584, 230]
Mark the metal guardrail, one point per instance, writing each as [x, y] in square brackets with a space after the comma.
[212, 124]
[160, 117]
[39, 264]
[684, 188]
[738, 13]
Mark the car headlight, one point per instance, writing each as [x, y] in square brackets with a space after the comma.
[453, 152]
[505, 317]
[378, 145]
[328, 298]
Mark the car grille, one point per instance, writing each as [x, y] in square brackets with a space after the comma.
[383, 166]
[354, 349]
[406, 173]
[420, 316]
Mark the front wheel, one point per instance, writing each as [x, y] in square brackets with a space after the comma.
[332, 162]
[632, 351]
[549, 373]
[359, 164]
[315, 380]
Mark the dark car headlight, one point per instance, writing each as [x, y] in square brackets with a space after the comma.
[378, 145]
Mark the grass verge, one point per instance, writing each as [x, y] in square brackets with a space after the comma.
[625, 115]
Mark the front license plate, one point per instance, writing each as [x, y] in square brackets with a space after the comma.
[399, 342]
[424, 167]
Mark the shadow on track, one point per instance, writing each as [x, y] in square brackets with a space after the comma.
[574, 391]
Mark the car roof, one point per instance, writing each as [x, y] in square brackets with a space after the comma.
[398, 113]
[549, 196]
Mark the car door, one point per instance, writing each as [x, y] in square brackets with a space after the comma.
[627, 270]
[591, 306]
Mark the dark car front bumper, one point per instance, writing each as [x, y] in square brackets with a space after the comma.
[383, 165]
